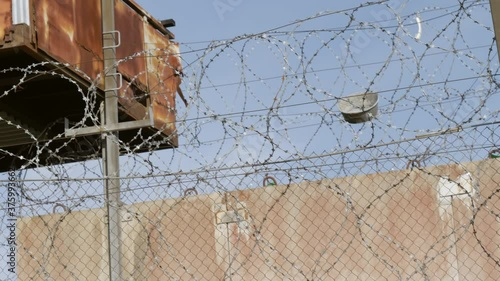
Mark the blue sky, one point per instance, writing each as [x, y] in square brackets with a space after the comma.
[202, 20]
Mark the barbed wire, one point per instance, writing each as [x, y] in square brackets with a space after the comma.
[270, 179]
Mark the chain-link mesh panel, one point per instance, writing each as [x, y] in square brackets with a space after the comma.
[279, 173]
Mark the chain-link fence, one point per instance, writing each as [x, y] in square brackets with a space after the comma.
[360, 144]
[293, 219]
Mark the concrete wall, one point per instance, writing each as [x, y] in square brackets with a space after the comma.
[438, 223]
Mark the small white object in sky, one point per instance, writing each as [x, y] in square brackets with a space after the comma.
[419, 23]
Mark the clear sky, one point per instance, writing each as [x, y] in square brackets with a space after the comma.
[200, 20]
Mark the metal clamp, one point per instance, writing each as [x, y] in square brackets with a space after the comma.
[413, 163]
[119, 39]
[269, 181]
[231, 216]
[495, 153]
[125, 217]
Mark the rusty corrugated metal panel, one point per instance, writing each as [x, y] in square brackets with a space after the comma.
[163, 68]
[150, 19]
[131, 28]
[71, 32]
[150, 72]
[5, 18]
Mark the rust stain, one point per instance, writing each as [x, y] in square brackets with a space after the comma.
[131, 28]
[88, 34]
[150, 65]
[5, 18]
[70, 31]
[148, 18]
[163, 70]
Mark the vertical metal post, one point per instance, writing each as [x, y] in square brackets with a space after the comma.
[495, 14]
[111, 148]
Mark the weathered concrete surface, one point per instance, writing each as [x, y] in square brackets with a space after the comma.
[401, 225]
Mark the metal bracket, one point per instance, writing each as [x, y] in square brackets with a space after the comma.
[130, 125]
[232, 216]
[119, 39]
[439, 133]
[120, 84]
[125, 217]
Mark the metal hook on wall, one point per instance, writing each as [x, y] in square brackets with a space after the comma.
[190, 192]
[64, 207]
[269, 181]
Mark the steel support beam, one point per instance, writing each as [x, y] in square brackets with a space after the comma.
[86, 131]
[495, 14]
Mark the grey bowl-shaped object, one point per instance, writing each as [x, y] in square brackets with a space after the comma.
[359, 108]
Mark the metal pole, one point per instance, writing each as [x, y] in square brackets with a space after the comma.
[109, 128]
[111, 148]
[495, 14]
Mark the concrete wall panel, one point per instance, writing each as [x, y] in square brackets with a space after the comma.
[388, 226]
